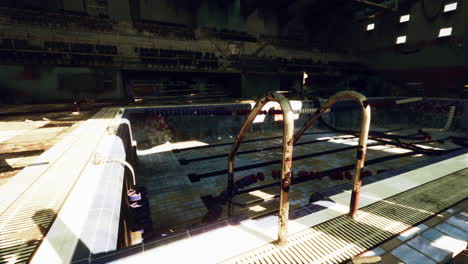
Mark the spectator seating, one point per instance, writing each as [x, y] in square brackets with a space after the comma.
[56, 53]
[61, 19]
[230, 35]
[178, 58]
[165, 30]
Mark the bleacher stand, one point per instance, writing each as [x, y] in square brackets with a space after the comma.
[60, 19]
[165, 30]
[56, 53]
[178, 58]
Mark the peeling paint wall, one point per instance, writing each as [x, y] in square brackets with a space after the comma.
[259, 85]
[438, 65]
[19, 84]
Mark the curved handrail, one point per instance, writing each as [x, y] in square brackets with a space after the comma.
[361, 149]
[286, 161]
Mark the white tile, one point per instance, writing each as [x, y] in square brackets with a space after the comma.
[444, 241]
[452, 210]
[375, 252]
[410, 255]
[412, 232]
[459, 222]
[429, 248]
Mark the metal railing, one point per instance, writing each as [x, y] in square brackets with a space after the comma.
[286, 161]
[361, 149]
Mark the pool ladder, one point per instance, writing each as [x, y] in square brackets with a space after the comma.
[289, 139]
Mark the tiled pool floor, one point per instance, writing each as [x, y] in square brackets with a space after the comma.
[176, 200]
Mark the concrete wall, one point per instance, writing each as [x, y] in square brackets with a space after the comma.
[259, 85]
[19, 84]
[262, 22]
[438, 65]
[119, 10]
[293, 18]
[74, 5]
[45, 4]
[255, 23]
[465, 41]
[421, 34]
[167, 11]
[212, 14]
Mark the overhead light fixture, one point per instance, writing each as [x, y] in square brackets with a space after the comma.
[445, 32]
[450, 7]
[370, 27]
[404, 18]
[401, 40]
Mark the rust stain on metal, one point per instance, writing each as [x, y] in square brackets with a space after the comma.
[360, 153]
[285, 184]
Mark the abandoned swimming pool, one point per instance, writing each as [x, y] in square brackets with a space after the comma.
[416, 153]
[182, 156]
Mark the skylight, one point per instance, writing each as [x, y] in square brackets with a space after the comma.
[450, 7]
[445, 32]
[404, 18]
[401, 40]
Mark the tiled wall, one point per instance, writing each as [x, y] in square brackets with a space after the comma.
[211, 123]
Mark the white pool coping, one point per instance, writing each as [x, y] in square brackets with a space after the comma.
[58, 246]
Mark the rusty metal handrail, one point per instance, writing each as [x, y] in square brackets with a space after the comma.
[286, 161]
[361, 150]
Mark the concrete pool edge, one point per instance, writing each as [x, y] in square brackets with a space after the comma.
[86, 212]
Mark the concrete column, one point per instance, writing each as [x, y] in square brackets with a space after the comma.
[119, 10]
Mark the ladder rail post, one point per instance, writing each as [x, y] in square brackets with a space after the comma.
[286, 165]
[286, 161]
[361, 149]
[235, 147]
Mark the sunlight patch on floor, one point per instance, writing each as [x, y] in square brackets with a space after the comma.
[260, 194]
[168, 146]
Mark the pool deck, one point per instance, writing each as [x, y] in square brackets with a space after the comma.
[31, 200]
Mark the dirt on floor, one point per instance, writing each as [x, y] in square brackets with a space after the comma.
[24, 137]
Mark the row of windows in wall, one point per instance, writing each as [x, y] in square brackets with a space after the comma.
[444, 32]
[405, 18]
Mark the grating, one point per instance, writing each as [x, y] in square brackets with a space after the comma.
[25, 222]
[344, 237]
